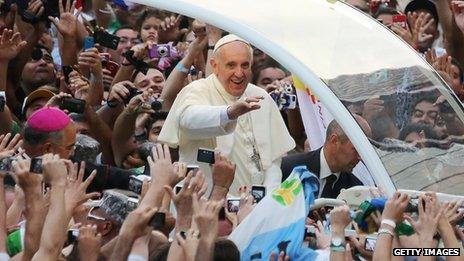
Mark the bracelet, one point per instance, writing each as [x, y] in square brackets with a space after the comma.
[389, 222]
[181, 68]
[384, 231]
[337, 248]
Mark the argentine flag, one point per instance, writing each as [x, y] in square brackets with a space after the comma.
[277, 223]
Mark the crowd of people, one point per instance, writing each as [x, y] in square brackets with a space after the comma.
[126, 133]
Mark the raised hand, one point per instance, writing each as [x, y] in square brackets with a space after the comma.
[247, 203]
[9, 145]
[54, 170]
[452, 212]
[161, 168]
[340, 217]
[205, 216]
[139, 103]
[189, 244]
[241, 107]
[56, 100]
[120, 91]
[136, 223]
[170, 29]
[91, 60]
[458, 13]
[429, 215]
[76, 187]
[89, 241]
[10, 45]
[67, 23]
[193, 183]
[223, 171]
[395, 206]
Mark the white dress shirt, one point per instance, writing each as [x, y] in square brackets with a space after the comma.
[324, 173]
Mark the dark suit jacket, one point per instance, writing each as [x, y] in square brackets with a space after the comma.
[312, 161]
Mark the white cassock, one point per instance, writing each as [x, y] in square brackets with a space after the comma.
[256, 141]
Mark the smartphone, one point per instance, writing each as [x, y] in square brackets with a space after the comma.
[113, 67]
[205, 155]
[158, 220]
[73, 105]
[106, 39]
[258, 192]
[233, 205]
[73, 234]
[36, 166]
[88, 42]
[178, 188]
[193, 168]
[369, 245]
[135, 185]
[66, 71]
[400, 20]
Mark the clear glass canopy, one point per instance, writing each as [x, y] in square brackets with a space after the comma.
[374, 73]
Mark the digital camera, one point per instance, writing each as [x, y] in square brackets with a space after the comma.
[285, 99]
[160, 51]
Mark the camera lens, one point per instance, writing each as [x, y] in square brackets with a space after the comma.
[162, 51]
[156, 105]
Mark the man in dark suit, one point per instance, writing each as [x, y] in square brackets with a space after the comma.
[333, 163]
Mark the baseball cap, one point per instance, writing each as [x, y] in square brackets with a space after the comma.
[35, 95]
[422, 4]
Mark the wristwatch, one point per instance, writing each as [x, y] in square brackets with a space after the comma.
[337, 244]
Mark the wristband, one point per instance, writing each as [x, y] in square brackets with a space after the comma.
[384, 231]
[181, 68]
[389, 222]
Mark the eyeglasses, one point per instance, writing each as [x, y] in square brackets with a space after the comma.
[91, 216]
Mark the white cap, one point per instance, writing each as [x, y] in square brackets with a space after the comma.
[228, 39]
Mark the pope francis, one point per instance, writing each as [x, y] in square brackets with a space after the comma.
[227, 113]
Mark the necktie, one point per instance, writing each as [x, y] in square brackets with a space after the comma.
[329, 182]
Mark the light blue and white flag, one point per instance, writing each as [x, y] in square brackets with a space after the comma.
[277, 223]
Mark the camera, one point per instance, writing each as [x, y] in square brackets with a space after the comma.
[117, 204]
[135, 183]
[106, 40]
[205, 155]
[370, 244]
[73, 105]
[233, 205]
[258, 192]
[2, 101]
[5, 164]
[193, 168]
[36, 166]
[285, 99]
[73, 234]
[160, 51]
[132, 93]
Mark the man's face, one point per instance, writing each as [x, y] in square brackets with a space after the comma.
[425, 112]
[155, 130]
[35, 105]
[269, 75]
[347, 156]
[65, 148]
[41, 72]
[128, 40]
[154, 79]
[232, 66]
